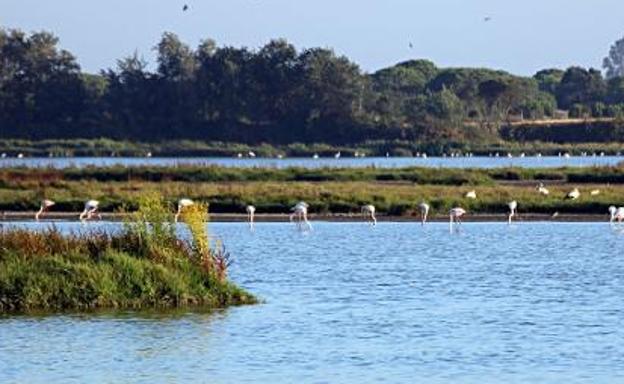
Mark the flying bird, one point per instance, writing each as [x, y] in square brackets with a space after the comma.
[411, 45]
[185, 8]
[487, 18]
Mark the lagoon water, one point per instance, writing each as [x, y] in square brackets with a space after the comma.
[349, 303]
[344, 162]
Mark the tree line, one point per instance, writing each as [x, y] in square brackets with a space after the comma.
[278, 94]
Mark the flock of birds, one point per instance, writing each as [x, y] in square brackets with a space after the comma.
[299, 212]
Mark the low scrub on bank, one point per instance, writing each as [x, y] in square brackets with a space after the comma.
[144, 265]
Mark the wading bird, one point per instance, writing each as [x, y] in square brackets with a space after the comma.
[300, 212]
[616, 214]
[251, 210]
[424, 211]
[471, 194]
[513, 206]
[455, 215]
[45, 205]
[542, 190]
[368, 211]
[90, 209]
[182, 204]
[573, 194]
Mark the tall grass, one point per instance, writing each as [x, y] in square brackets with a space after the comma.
[144, 265]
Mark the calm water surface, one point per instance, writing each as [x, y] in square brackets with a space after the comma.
[348, 303]
[381, 162]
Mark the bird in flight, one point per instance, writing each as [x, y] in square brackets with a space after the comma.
[185, 7]
[411, 45]
[487, 18]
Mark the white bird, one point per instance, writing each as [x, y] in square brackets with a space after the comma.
[20, 155]
[513, 206]
[368, 211]
[251, 154]
[182, 203]
[337, 155]
[45, 205]
[149, 154]
[424, 211]
[455, 215]
[595, 192]
[90, 209]
[573, 194]
[300, 212]
[315, 156]
[542, 190]
[471, 194]
[424, 155]
[251, 210]
[239, 155]
[566, 155]
[616, 214]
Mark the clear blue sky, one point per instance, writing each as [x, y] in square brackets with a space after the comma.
[522, 37]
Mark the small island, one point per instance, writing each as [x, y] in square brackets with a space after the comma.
[144, 265]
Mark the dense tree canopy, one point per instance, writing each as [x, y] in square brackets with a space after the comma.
[276, 94]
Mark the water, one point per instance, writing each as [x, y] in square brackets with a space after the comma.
[347, 303]
[381, 162]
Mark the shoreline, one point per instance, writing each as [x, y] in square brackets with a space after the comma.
[339, 218]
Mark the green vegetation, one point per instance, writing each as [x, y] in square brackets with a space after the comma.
[108, 148]
[279, 95]
[144, 266]
[393, 191]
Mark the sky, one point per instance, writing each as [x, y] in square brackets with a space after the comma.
[521, 37]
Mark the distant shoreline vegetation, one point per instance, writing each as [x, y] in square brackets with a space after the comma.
[280, 95]
[394, 192]
[146, 265]
[102, 147]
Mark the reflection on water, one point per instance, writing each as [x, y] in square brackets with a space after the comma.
[380, 162]
[350, 303]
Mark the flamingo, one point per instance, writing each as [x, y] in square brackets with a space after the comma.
[368, 211]
[251, 210]
[424, 211]
[455, 215]
[616, 214]
[182, 203]
[300, 211]
[542, 190]
[471, 194]
[513, 206]
[90, 209]
[45, 205]
[573, 194]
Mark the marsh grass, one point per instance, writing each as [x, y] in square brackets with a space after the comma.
[145, 265]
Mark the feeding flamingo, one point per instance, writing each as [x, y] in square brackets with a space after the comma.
[455, 215]
[616, 214]
[90, 209]
[368, 211]
[424, 211]
[182, 203]
[45, 205]
[251, 210]
[300, 212]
